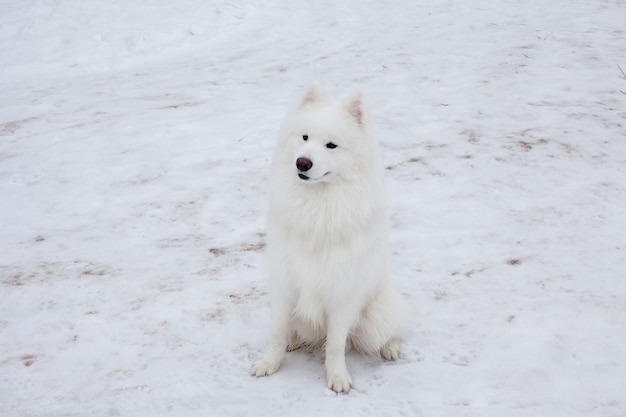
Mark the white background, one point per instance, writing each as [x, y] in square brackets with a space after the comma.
[135, 144]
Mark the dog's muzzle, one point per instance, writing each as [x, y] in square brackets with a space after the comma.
[303, 165]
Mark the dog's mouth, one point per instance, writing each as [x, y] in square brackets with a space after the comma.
[309, 179]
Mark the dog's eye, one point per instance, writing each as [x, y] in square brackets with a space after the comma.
[331, 145]
[305, 137]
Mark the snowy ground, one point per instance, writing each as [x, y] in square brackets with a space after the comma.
[135, 141]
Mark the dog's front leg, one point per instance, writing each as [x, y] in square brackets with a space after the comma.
[275, 352]
[337, 375]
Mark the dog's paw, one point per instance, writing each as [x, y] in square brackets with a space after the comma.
[391, 350]
[264, 368]
[340, 383]
[294, 342]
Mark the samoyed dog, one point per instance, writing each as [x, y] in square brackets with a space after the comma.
[327, 241]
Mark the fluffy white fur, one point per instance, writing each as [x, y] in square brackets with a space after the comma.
[328, 241]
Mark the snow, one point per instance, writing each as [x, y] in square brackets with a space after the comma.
[135, 141]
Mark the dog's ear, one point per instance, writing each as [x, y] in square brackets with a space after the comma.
[313, 95]
[354, 106]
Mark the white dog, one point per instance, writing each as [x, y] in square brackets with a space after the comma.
[328, 241]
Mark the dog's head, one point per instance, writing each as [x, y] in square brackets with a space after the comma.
[326, 140]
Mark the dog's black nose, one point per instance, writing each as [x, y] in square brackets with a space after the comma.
[303, 164]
